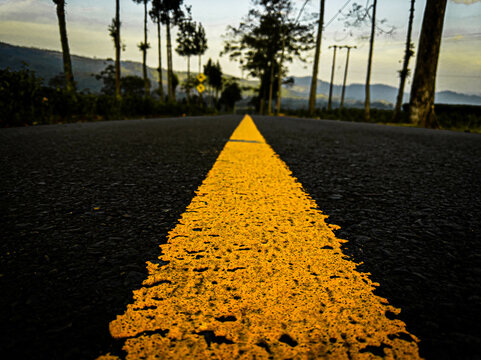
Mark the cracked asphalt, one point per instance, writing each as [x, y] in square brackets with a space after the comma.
[84, 206]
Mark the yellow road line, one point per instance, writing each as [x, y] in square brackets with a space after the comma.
[253, 271]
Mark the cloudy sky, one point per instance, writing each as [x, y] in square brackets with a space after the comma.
[34, 23]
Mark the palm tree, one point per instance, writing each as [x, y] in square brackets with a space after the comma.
[403, 74]
[315, 69]
[421, 109]
[144, 46]
[67, 62]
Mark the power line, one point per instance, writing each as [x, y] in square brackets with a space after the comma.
[337, 14]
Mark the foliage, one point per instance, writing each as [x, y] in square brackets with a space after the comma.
[186, 37]
[132, 85]
[361, 15]
[258, 40]
[213, 72]
[107, 76]
[200, 40]
[231, 94]
[58, 81]
[168, 11]
[175, 81]
[21, 97]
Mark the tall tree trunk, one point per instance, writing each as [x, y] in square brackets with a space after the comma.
[170, 86]
[159, 70]
[117, 49]
[403, 74]
[201, 96]
[367, 103]
[279, 78]
[424, 81]
[67, 62]
[315, 69]
[144, 53]
[188, 79]
[271, 85]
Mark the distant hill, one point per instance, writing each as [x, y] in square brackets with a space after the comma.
[48, 63]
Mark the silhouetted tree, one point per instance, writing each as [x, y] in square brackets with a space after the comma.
[143, 47]
[67, 62]
[257, 42]
[58, 82]
[108, 77]
[404, 72]
[132, 85]
[186, 46]
[114, 31]
[231, 94]
[200, 43]
[170, 14]
[315, 68]
[424, 81]
[213, 72]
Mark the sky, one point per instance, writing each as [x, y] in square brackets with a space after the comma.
[34, 23]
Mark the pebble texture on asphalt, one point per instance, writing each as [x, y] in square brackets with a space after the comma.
[252, 271]
[409, 202]
[82, 208]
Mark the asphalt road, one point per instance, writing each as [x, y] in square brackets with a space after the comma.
[83, 206]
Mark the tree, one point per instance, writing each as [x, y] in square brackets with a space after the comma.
[404, 72]
[58, 82]
[67, 62]
[114, 31]
[186, 46]
[213, 72]
[231, 94]
[315, 68]
[132, 86]
[424, 81]
[200, 43]
[171, 14]
[108, 77]
[155, 14]
[143, 47]
[257, 43]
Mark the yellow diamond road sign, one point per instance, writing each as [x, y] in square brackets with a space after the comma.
[201, 77]
[200, 88]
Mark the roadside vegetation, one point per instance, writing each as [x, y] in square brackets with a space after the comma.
[270, 36]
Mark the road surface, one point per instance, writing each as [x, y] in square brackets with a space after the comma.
[84, 206]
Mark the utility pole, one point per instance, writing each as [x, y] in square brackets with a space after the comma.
[345, 72]
[329, 103]
[315, 69]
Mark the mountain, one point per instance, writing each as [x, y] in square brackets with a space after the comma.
[48, 63]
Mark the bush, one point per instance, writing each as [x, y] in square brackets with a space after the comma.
[21, 100]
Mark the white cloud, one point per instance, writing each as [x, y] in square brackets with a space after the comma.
[27, 11]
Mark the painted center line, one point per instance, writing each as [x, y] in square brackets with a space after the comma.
[252, 270]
